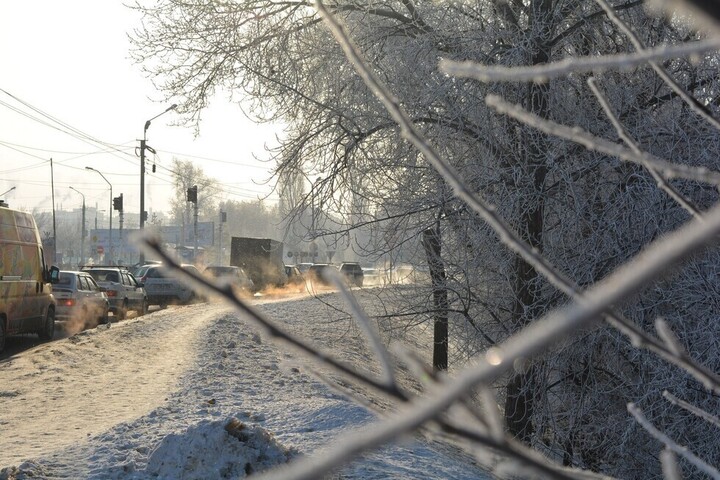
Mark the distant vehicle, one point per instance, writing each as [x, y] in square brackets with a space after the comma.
[80, 300]
[371, 276]
[26, 301]
[261, 258]
[353, 273]
[304, 267]
[123, 290]
[294, 275]
[316, 273]
[163, 288]
[233, 275]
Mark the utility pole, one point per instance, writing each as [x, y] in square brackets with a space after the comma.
[110, 248]
[223, 219]
[144, 146]
[83, 232]
[192, 196]
[118, 205]
[52, 188]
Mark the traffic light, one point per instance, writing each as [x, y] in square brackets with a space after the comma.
[192, 194]
[145, 216]
[118, 203]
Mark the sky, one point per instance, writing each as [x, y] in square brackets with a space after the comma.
[66, 76]
[152, 397]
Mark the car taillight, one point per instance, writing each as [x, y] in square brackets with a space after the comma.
[67, 302]
[111, 293]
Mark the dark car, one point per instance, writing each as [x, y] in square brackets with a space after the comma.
[294, 275]
[235, 276]
[353, 273]
[316, 273]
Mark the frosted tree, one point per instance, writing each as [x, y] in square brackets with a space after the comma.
[494, 182]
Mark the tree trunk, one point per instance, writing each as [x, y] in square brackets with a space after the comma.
[520, 391]
[432, 245]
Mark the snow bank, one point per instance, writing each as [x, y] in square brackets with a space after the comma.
[216, 449]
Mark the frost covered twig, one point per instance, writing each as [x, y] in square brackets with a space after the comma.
[699, 463]
[691, 101]
[713, 419]
[541, 73]
[592, 142]
[661, 182]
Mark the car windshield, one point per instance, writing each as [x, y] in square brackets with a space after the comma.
[105, 275]
[217, 271]
[65, 279]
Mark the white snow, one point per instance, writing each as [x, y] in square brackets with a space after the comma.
[196, 392]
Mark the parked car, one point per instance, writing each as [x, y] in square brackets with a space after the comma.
[353, 273]
[373, 276]
[163, 288]
[123, 290]
[295, 276]
[316, 273]
[81, 302]
[232, 275]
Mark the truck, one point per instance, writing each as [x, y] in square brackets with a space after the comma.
[261, 258]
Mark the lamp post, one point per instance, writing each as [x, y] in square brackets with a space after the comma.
[144, 146]
[111, 210]
[82, 230]
[1, 194]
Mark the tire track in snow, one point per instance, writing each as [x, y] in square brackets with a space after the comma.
[61, 393]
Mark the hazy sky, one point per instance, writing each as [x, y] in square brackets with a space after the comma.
[65, 66]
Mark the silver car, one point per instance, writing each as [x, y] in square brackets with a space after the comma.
[81, 302]
[123, 290]
[163, 288]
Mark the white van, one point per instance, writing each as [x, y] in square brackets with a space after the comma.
[26, 301]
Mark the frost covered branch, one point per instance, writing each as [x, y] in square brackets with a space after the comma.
[661, 182]
[592, 142]
[541, 73]
[699, 463]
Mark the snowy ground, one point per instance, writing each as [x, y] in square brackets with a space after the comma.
[192, 392]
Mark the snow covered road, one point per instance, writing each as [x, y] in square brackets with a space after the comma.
[100, 403]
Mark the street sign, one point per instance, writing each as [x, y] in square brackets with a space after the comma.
[100, 249]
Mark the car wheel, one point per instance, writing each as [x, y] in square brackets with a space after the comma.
[48, 330]
[2, 334]
[144, 308]
[122, 311]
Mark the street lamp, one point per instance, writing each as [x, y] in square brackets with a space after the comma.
[82, 230]
[111, 210]
[144, 146]
[1, 194]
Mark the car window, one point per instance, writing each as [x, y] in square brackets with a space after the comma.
[132, 280]
[154, 273]
[92, 286]
[82, 283]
